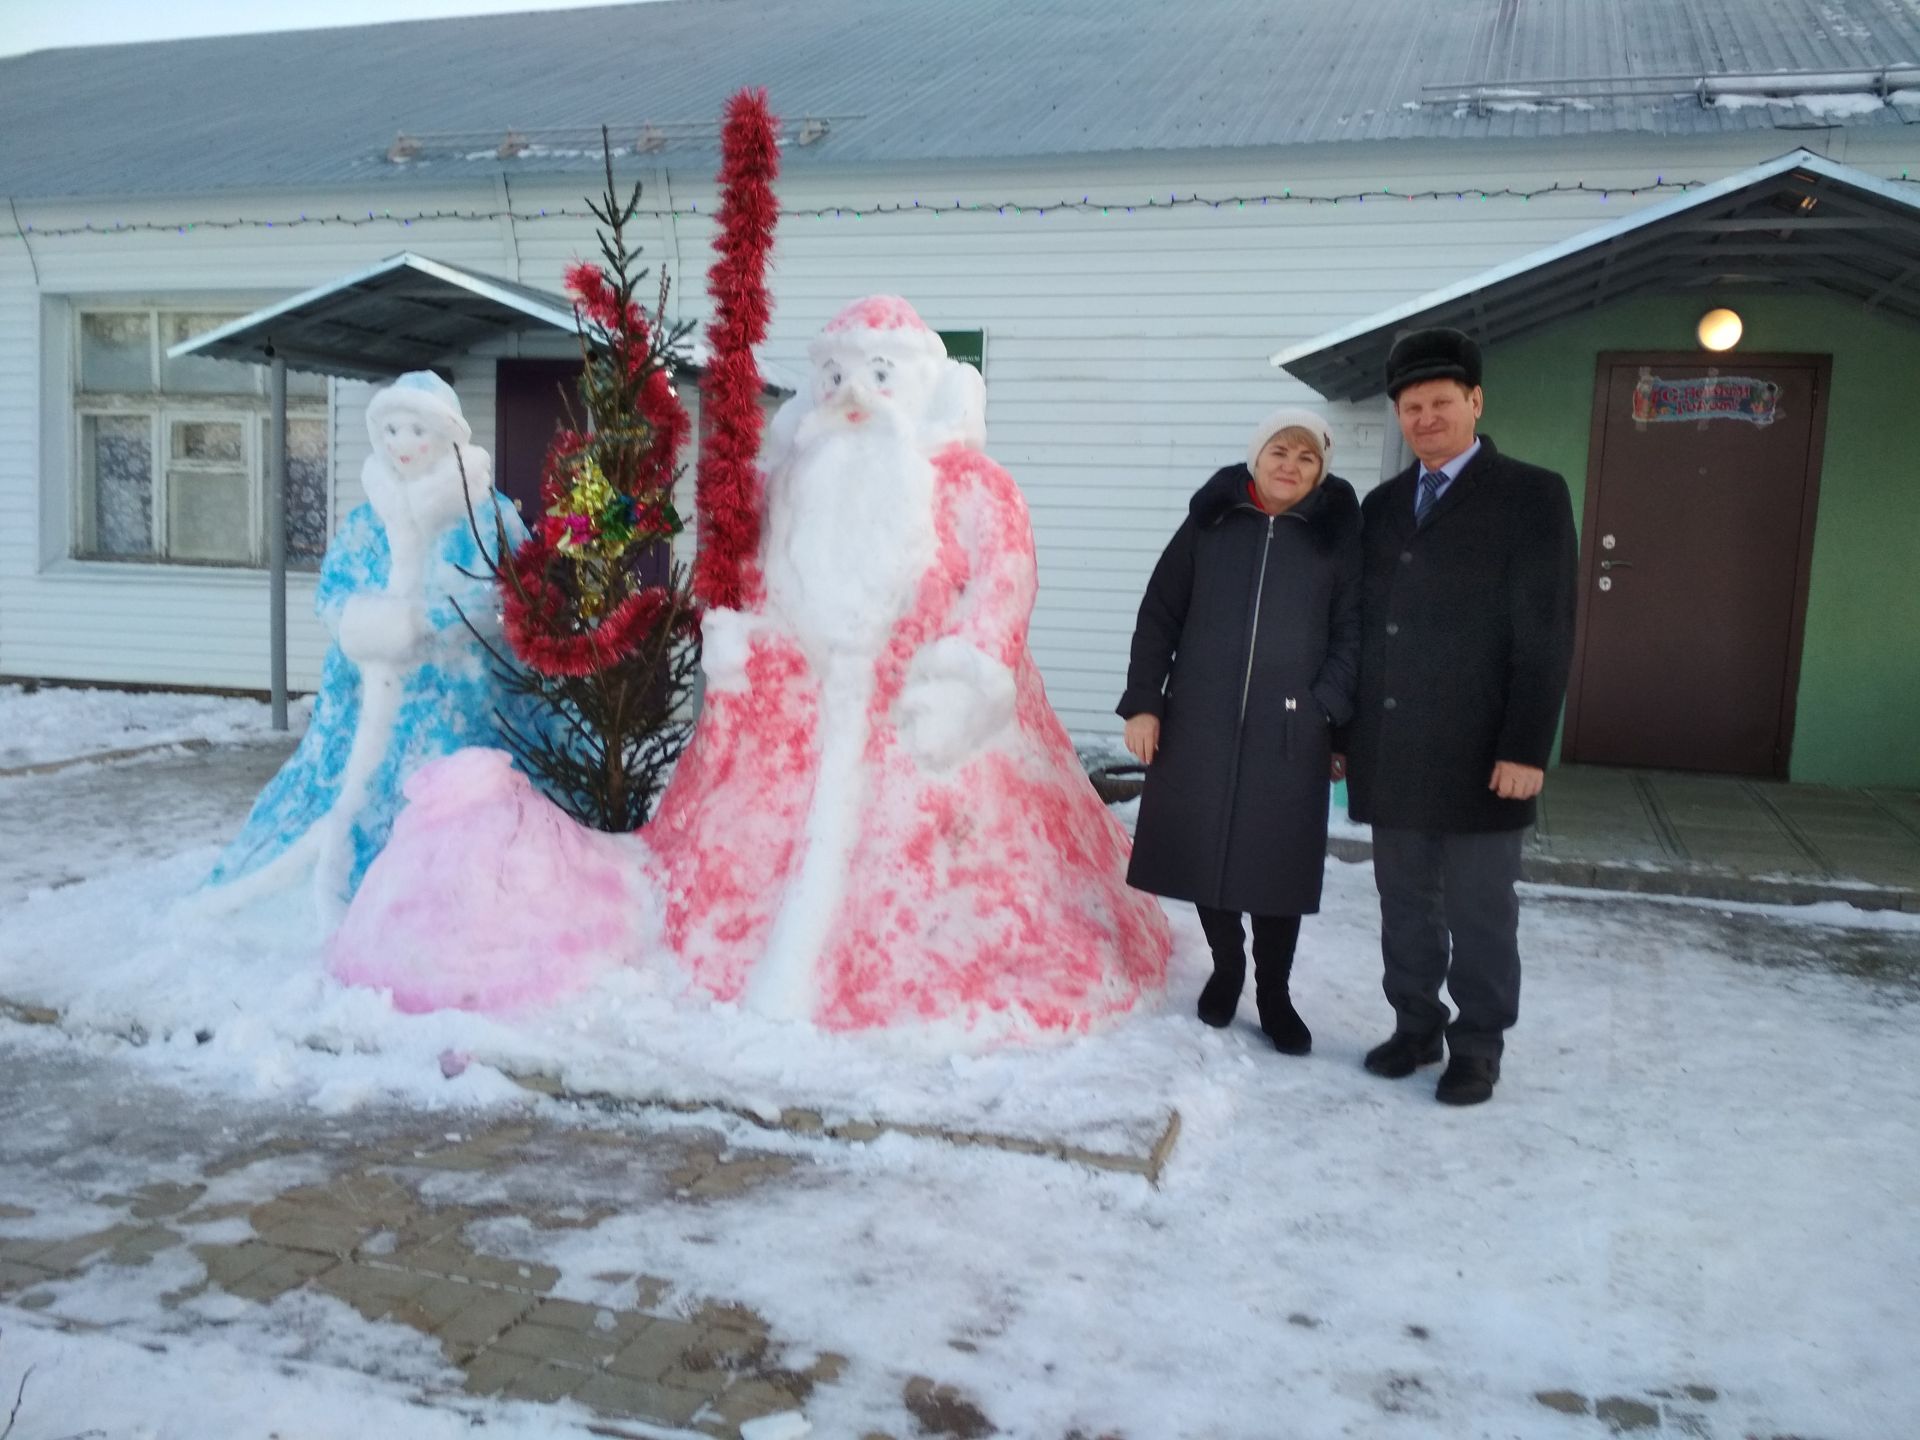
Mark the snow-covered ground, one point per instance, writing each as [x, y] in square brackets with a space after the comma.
[52, 723]
[1698, 1171]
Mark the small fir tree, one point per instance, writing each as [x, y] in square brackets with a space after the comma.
[608, 653]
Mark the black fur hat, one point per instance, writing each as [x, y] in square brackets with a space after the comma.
[1432, 355]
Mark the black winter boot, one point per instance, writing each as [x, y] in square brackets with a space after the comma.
[1274, 940]
[1220, 997]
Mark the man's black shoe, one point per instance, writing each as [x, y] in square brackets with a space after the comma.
[1403, 1054]
[1469, 1080]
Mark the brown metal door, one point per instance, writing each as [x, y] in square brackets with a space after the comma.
[532, 399]
[1701, 496]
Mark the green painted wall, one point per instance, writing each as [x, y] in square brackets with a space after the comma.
[1858, 720]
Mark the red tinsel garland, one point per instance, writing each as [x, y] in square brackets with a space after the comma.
[532, 610]
[538, 620]
[728, 492]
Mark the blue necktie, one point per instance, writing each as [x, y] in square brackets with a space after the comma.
[1430, 483]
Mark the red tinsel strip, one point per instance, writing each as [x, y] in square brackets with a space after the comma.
[660, 407]
[727, 494]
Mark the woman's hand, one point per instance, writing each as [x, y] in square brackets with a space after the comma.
[1143, 737]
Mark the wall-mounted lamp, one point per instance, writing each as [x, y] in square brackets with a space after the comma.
[1719, 330]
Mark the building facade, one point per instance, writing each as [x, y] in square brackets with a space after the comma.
[1128, 304]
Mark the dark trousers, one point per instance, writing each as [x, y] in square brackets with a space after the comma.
[1274, 938]
[1449, 916]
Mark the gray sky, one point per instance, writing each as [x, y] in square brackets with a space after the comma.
[44, 24]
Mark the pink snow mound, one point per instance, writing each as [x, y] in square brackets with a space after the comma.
[488, 897]
[990, 895]
[877, 312]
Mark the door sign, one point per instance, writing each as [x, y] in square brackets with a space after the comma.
[1706, 397]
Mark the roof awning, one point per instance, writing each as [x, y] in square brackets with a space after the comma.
[1799, 223]
[406, 313]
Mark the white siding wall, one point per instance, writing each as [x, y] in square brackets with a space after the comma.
[1126, 355]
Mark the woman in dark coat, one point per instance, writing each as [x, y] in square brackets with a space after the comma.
[1245, 653]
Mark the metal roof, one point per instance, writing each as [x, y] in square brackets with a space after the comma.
[908, 81]
[406, 313]
[1800, 222]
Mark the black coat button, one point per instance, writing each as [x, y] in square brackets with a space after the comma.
[1393, 627]
[1406, 557]
[1391, 702]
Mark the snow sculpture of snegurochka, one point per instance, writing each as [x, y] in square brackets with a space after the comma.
[880, 821]
[405, 680]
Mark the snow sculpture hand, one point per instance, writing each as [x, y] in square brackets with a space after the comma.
[956, 700]
[381, 628]
[726, 642]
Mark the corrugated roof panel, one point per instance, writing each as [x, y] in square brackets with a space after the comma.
[987, 79]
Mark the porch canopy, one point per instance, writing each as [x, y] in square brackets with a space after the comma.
[1797, 224]
[406, 313]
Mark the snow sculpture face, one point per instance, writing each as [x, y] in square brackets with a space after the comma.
[412, 443]
[865, 377]
[849, 526]
[877, 368]
[414, 424]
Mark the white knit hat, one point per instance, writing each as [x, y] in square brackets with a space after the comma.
[1290, 417]
[422, 393]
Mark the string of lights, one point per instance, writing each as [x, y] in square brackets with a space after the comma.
[1086, 204]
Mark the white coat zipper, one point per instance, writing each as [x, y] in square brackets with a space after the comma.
[1246, 685]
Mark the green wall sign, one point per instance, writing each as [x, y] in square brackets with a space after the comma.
[967, 345]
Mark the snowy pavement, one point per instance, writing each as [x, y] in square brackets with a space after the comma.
[50, 725]
[1688, 1211]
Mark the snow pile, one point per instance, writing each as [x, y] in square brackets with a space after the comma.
[1831, 107]
[49, 724]
[488, 897]
[248, 999]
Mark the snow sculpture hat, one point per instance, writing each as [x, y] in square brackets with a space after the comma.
[423, 394]
[879, 320]
[1290, 417]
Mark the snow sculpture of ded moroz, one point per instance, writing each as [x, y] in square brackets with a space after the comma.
[405, 680]
[880, 820]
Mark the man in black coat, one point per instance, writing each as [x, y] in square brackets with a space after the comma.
[1467, 604]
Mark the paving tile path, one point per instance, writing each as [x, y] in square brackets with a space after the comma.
[372, 1234]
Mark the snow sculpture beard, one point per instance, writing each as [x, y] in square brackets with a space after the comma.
[850, 533]
[849, 529]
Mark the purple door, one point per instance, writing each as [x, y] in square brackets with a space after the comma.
[533, 399]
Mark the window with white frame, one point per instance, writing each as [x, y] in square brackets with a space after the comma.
[174, 455]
